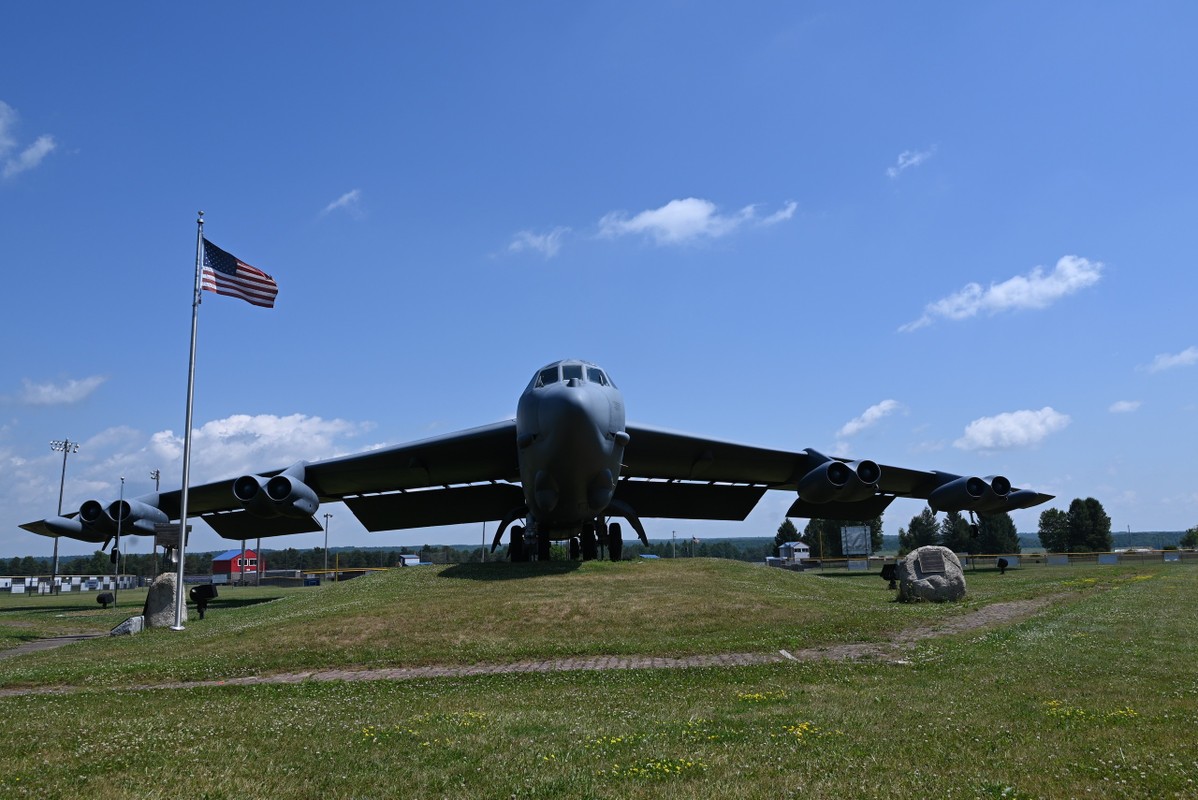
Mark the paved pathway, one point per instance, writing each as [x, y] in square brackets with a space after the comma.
[48, 643]
[893, 651]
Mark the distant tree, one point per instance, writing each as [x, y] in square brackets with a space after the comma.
[99, 563]
[787, 532]
[1189, 539]
[997, 534]
[1089, 526]
[956, 535]
[823, 537]
[1054, 530]
[921, 531]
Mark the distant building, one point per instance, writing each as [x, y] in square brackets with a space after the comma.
[235, 566]
[794, 552]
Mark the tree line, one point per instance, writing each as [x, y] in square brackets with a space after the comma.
[291, 558]
[1085, 527]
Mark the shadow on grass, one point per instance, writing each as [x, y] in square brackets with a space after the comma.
[507, 571]
[838, 575]
[237, 602]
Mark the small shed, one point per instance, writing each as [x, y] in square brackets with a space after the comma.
[233, 566]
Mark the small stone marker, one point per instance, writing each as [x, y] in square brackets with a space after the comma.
[129, 626]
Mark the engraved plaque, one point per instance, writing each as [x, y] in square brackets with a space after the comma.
[931, 561]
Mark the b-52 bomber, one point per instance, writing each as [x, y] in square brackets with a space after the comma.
[562, 469]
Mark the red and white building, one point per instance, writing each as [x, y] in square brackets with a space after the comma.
[235, 566]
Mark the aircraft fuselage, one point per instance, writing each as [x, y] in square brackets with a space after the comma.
[570, 437]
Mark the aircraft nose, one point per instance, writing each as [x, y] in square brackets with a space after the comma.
[567, 406]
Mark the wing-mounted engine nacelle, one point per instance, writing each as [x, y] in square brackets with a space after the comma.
[92, 515]
[284, 495]
[840, 481]
[984, 495]
[135, 516]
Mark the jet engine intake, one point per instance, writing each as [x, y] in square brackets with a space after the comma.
[987, 494]
[840, 481]
[285, 494]
[136, 515]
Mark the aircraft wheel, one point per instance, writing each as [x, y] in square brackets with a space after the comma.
[543, 545]
[590, 545]
[516, 548]
[575, 549]
[615, 542]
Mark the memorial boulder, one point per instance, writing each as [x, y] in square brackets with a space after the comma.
[159, 610]
[930, 573]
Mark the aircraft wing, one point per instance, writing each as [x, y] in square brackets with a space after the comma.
[672, 474]
[466, 476]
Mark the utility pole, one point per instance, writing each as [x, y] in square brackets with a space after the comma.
[326, 544]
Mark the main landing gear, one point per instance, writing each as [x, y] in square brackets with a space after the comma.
[585, 546]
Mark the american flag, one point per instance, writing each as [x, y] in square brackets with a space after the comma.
[225, 274]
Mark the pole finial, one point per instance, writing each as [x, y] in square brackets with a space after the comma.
[200, 221]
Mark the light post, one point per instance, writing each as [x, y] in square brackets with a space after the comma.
[116, 548]
[157, 476]
[326, 544]
[66, 446]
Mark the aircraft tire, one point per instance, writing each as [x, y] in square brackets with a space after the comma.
[590, 545]
[543, 545]
[516, 549]
[575, 549]
[615, 542]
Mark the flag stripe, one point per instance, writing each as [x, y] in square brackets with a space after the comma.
[226, 274]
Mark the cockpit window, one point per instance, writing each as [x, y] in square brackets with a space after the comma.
[571, 371]
[595, 375]
[547, 376]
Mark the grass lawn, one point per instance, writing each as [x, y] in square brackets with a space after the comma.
[1094, 695]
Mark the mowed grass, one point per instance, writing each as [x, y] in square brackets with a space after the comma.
[479, 613]
[1095, 695]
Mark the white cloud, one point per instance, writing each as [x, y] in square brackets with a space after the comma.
[688, 220]
[8, 118]
[348, 201]
[243, 443]
[28, 158]
[52, 394]
[781, 215]
[1036, 290]
[1164, 361]
[31, 156]
[676, 222]
[1012, 429]
[908, 159]
[547, 244]
[869, 418]
[1124, 406]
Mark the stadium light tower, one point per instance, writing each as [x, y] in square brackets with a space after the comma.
[66, 447]
[326, 544]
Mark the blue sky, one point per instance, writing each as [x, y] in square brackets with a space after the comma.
[950, 236]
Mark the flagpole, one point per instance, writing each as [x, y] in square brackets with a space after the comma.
[191, 377]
